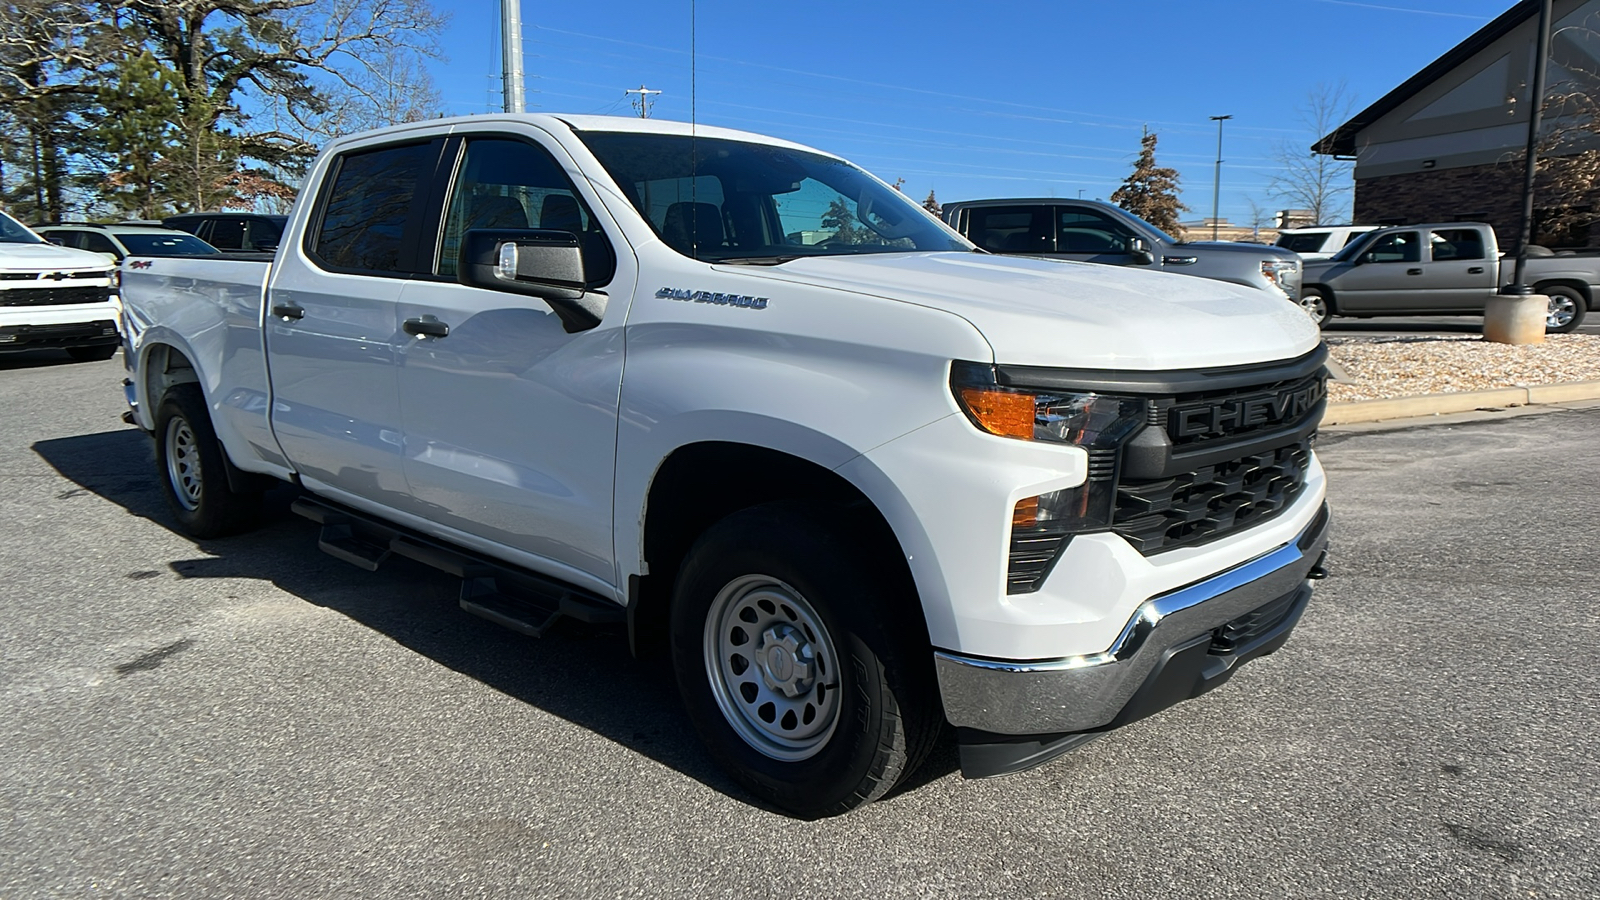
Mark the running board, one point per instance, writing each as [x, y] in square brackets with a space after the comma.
[517, 599]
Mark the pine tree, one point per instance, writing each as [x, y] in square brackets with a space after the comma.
[1151, 191]
[932, 205]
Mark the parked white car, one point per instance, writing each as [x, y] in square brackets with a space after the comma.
[1322, 241]
[54, 297]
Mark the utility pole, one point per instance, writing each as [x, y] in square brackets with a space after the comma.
[1216, 180]
[511, 56]
[643, 103]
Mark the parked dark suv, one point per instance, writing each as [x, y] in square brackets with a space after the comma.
[232, 230]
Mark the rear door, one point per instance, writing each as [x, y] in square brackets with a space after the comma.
[331, 326]
[1386, 278]
[1460, 276]
[510, 422]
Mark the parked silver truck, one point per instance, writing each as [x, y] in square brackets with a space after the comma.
[1091, 231]
[1447, 269]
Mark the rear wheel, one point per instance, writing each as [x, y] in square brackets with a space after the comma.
[192, 470]
[1566, 309]
[91, 354]
[1316, 306]
[801, 668]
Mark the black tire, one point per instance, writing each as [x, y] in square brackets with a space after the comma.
[884, 710]
[1560, 297]
[192, 471]
[92, 354]
[1317, 305]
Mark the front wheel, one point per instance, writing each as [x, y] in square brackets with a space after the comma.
[801, 668]
[1566, 309]
[192, 470]
[1316, 306]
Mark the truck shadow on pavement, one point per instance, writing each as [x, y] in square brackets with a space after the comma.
[583, 675]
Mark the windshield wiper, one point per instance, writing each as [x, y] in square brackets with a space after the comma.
[757, 260]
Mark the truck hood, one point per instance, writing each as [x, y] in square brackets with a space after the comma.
[1043, 312]
[33, 257]
[1262, 251]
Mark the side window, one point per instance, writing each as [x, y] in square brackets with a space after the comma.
[1457, 243]
[1011, 229]
[228, 234]
[506, 183]
[1090, 231]
[64, 239]
[1402, 246]
[263, 234]
[368, 206]
[99, 243]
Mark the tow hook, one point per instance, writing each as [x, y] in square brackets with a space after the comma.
[1319, 570]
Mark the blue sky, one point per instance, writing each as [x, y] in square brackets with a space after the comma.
[969, 100]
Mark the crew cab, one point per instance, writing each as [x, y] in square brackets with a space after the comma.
[845, 476]
[54, 297]
[1320, 241]
[1092, 231]
[1448, 269]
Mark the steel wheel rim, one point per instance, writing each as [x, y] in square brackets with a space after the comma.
[1560, 311]
[183, 463]
[1315, 307]
[772, 668]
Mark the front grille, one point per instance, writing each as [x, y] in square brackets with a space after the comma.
[1241, 632]
[1195, 420]
[1212, 501]
[53, 296]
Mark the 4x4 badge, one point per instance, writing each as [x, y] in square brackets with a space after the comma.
[743, 300]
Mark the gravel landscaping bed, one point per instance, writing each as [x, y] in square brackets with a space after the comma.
[1381, 368]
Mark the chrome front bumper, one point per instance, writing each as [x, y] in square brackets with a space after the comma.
[1089, 693]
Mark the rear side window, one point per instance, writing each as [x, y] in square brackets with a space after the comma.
[1456, 243]
[367, 209]
[1308, 242]
[227, 234]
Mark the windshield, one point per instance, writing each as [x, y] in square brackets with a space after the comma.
[1357, 245]
[1304, 242]
[175, 244]
[12, 232]
[735, 201]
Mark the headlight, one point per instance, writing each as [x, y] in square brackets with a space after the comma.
[1278, 271]
[1099, 423]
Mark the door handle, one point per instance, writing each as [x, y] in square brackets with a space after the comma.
[427, 326]
[1475, 270]
[1413, 271]
[289, 311]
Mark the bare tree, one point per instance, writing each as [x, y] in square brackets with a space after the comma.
[1313, 181]
[1568, 185]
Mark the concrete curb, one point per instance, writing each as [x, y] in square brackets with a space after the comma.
[1436, 404]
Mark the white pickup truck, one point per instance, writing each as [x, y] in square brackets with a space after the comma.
[54, 297]
[849, 475]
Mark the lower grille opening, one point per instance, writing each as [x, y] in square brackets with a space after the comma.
[1242, 631]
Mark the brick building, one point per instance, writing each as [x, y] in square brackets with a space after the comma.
[1446, 145]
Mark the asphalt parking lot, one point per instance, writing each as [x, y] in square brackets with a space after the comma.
[250, 718]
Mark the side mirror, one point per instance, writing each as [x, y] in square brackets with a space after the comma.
[1140, 251]
[536, 262]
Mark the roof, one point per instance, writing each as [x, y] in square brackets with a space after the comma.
[1342, 140]
[112, 227]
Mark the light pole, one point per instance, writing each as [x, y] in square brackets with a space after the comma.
[1216, 180]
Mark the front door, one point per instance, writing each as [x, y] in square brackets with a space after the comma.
[1387, 278]
[511, 422]
[331, 328]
